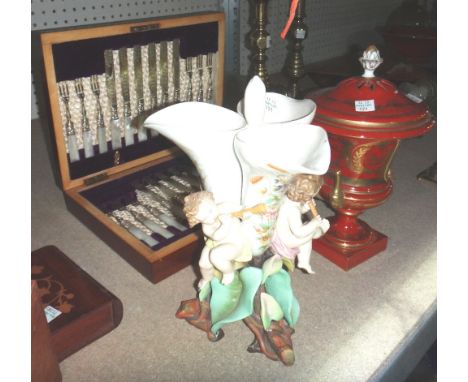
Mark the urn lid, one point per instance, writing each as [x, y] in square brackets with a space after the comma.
[370, 106]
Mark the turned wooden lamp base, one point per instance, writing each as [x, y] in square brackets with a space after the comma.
[348, 253]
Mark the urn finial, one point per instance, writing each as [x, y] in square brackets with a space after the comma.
[370, 60]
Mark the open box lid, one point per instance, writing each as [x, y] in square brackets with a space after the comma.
[79, 54]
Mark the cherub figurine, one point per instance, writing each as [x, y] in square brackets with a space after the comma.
[292, 238]
[225, 244]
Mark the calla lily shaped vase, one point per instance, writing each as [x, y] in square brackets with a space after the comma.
[205, 132]
[247, 163]
[260, 107]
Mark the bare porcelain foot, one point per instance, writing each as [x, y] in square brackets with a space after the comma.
[227, 278]
[306, 267]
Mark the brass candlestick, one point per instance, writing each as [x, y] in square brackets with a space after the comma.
[294, 62]
[259, 41]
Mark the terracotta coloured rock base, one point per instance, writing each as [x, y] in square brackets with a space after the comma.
[197, 313]
[275, 343]
[347, 254]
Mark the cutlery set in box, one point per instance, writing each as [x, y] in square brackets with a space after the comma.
[124, 181]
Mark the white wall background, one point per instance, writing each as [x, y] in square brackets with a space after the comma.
[333, 24]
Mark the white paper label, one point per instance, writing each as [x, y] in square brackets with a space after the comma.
[300, 33]
[364, 105]
[268, 41]
[270, 104]
[51, 313]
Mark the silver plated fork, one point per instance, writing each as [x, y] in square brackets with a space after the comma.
[69, 127]
[101, 128]
[80, 93]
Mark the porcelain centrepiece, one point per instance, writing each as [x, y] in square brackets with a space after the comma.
[247, 165]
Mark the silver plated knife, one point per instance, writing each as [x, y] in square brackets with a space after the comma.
[133, 229]
[188, 69]
[164, 73]
[128, 128]
[152, 75]
[176, 70]
[153, 81]
[154, 224]
[138, 69]
[111, 93]
[200, 77]
[209, 90]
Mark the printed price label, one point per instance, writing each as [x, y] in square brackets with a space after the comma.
[300, 34]
[51, 313]
[364, 105]
[270, 104]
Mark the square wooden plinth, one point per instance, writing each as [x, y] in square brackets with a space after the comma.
[350, 258]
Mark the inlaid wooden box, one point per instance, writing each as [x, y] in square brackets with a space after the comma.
[103, 81]
[87, 310]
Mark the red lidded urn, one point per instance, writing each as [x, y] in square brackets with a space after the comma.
[365, 118]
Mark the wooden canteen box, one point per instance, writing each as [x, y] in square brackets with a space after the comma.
[125, 182]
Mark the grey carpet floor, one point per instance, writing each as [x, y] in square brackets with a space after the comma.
[351, 323]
